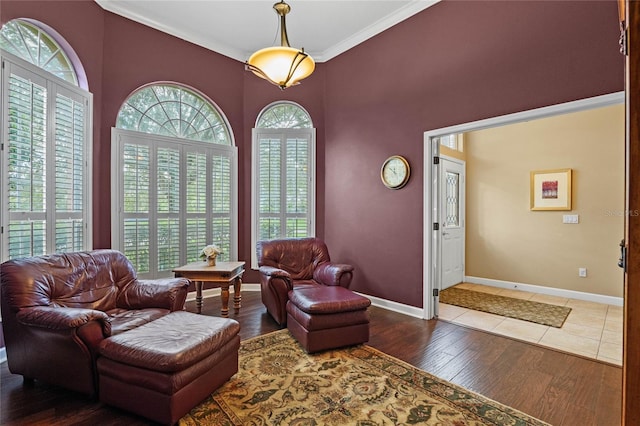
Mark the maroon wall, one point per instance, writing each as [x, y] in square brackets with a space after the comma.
[135, 55]
[453, 63]
[120, 55]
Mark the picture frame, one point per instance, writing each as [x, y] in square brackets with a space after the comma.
[551, 189]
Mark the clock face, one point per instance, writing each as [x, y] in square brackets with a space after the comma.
[395, 172]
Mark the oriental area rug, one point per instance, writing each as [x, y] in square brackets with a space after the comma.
[279, 384]
[526, 310]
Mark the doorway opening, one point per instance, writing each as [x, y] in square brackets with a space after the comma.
[433, 203]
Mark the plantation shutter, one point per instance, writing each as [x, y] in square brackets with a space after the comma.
[196, 208]
[283, 191]
[27, 110]
[297, 187]
[209, 206]
[134, 205]
[175, 197]
[45, 176]
[222, 224]
[167, 182]
[269, 187]
[70, 136]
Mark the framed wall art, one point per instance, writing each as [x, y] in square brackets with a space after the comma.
[551, 189]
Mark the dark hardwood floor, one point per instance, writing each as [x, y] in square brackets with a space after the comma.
[558, 388]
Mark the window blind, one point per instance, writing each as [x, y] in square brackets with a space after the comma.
[177, 197]
[47, 202]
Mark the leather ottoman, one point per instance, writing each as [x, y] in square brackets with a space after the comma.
[327, 317]
[162, 369]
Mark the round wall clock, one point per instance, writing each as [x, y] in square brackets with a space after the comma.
[395, 172]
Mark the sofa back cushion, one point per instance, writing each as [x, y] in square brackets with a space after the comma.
[298, 256]
[88, 280]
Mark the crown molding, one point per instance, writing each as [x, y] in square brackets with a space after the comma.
[184, 34]
[191, 34]
[376, 28]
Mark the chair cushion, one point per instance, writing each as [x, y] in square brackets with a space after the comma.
[170, 343]
[327, 299]
[124, 319]
[313, 322]
[305, 283]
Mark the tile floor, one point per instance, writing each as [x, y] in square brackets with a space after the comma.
[592, 330]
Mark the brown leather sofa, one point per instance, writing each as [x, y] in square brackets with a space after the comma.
[295, 262]
[57, 309]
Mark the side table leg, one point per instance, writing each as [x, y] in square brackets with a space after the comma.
[198, 296]
[237, 295]
[224, 293]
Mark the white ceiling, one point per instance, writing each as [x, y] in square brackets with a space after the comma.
[237, 28]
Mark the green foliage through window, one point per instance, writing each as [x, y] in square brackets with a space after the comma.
[284, 115]
[30, 43]
[174, 111]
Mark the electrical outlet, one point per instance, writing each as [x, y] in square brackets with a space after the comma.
[582, 272]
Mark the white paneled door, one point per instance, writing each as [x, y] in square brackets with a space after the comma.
[452, 181]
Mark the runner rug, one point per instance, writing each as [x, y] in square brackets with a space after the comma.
[541, 313]
[279, 384]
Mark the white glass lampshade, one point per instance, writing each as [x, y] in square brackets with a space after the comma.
[282, 65]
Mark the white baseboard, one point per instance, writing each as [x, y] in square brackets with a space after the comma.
[395, 306]
[375, 301]
[211, 292]
[551, 291]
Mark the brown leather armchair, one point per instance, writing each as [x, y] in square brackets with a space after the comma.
[56, 310]
[295, 262]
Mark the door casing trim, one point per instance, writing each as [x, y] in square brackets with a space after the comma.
[429, 259]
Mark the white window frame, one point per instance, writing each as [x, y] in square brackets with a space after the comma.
[283, 135]
[452, 141]
[54, 85]
[118, 139]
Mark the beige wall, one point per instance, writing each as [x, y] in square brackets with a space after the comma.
[507, 241]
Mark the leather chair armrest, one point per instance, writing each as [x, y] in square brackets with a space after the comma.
[333, 274]
[270, 271]
[62, 318]
[275, 285]
[167, 293]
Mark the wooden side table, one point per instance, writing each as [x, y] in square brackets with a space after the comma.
[223, 274]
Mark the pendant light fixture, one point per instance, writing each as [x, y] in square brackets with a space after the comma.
[281, 65]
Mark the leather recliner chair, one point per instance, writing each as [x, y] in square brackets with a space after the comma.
[56, 310]
[295, 262]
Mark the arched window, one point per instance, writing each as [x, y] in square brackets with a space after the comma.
[32, 44]
[46, 184]
[284, 115]
[284, 173]
[174, 179]
[171, 110]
